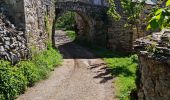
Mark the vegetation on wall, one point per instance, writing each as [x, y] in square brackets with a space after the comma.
[112, 10]
[15, 79]
[131, 9]
[67, 21]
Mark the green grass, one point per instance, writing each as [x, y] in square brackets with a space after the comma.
[71, 34]
[124, 69]
[123, 66]
[15, 79]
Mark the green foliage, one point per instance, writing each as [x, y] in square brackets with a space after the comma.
[71, 34]
[15, 79]
[151, 48]
[160, 17]
[168, 3]
[29, 71]
[132, 10]
[12, 81]
[48, 25]
[112, 10]
[66, 21]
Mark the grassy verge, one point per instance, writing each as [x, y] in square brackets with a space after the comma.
[123, 67]
[15, 79]
[71, 34]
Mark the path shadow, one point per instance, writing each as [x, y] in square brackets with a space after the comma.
[72, 50]
[103, 73]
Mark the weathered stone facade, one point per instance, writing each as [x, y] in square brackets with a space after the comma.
[120, 38]
[13, 44]
[29, 17]
[154, 66]
[37, 13]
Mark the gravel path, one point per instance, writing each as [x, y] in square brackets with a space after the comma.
[82, 76]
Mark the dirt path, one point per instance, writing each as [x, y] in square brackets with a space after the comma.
[81, 76]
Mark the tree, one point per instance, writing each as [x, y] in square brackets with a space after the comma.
[160, 18]
[131, 9]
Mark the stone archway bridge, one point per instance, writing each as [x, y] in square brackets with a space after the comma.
[81, 7]
[93, 23]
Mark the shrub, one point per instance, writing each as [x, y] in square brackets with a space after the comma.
[12, 81]
[66, 21]
[15, 79]
[71, 34]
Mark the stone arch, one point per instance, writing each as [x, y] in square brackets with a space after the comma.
[88, 13]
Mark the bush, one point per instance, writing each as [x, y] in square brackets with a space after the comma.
[12, 81]
[66, 21]
[15, 79]
[71, 34]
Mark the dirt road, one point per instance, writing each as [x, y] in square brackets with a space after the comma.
[82, 76]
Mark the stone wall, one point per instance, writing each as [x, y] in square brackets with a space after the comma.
[154, 66]
[119, 37]
[155, 79]
[39, 15]
[13, 44]
[28, 24]
[92, 30]
[91, 20]
[94, 2]
[16, 12]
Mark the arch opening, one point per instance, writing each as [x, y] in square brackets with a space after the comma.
[75, 21]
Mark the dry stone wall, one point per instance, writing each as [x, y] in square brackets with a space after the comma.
[154, 66]
[38, 20]
[119, 37]
[13, 44]
[25, 26]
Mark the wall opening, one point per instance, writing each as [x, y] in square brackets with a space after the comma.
[75, 22]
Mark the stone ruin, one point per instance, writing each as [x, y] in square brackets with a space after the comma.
[154, 66]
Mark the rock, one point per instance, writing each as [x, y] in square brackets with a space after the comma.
[11, 41]
[2, 49]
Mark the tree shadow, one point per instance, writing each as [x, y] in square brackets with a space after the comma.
[106, 73]
[119, 70]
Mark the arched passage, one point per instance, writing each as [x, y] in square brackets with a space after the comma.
[84, 25]
[91, 16]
